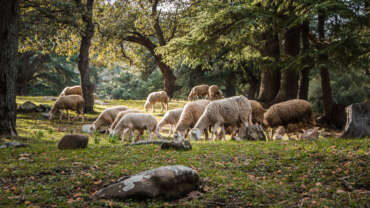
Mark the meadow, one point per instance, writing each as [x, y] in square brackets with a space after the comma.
[328, 172]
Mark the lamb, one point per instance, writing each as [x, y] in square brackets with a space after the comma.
[171, 117]
[198, 91]
[119, 116]
[234, 111]
[107, 117]
[68, 102]
[155, 97]
[138, 121]
[189, 117]
[214, 93]
[291, 111]
[74, 90]
[257, 112]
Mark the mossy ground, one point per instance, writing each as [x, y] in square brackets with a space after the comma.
[329, 172]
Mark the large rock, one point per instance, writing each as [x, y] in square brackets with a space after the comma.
[169, 182]
[253, 132]
[178, 145]
[73, 141]
[28, 107]
[358, 121]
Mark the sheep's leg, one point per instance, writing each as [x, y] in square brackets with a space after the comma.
[158, 134]
[133, 135]
[153, 105]
[170, 130]
[223, 133]
[214, 130]
[140, 134]
[124, 133]
[149, 132]
[61, 115]
[68, 115]
[205, 134]
[162, 106]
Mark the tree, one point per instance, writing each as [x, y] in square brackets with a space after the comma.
[8, 59]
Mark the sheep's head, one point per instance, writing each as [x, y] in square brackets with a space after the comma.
[179, 136]
[93, 127]
[146, 106]
[52, 113]
[190, 97]
[195, 134]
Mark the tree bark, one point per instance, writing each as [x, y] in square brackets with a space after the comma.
[83, 58]
[168, 76]
[8, 69]
[270, 74]
[305, 73]
[324, 73]
[289, 77]
[253, 87]
[230, 84]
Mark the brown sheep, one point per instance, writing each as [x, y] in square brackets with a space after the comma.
[74, 90]
[68, 102]
[198, 91]
[257, 112]
[214, 93]
[291, 111]
[155, 97]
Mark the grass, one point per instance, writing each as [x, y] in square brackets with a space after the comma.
[329, 172]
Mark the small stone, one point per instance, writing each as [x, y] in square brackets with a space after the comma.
[73, 141]
[252, 132]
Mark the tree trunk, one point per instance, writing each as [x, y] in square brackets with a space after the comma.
[230, 85]
[8, 69]
[168, 76]
[289, 77]
[253, 86]
[83, 59]
[324, 72]
[305, 73]
[270, 74]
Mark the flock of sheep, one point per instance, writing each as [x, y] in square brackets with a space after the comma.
[197, 117]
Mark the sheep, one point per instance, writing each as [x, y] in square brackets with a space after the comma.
[107, 117]
[257, 112]
[138, 121]
[73, 90]
[189, 117]
[214, 93]
[171, 117]
[291, 111]
[68, 102]
[234, 111]
[119, 116]
[198, 91]
[155, 97]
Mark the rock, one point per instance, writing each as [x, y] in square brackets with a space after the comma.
[27, 107]
[310, 134]
[253, 132]
[180, 145]
[358, 121]
[44, 108]
[87, 128]
[73, 141]
[169, 182]
[13, 144]
[99, 102]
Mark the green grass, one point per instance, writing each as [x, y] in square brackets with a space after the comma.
[326, 173]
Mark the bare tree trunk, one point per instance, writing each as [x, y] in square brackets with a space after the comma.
[324, 72]
[230, 84]
[270, 74]
[289, 77]
[83, 58]
[8, 69]
[168, 76]
[305, 73]
[253, 87]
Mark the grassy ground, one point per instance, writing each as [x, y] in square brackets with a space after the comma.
[329, 172]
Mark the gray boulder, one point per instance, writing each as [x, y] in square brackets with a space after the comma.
[73, 141]
[358, 121]
[179, 145]
[169, 182]
[13, 144]
[253, 132]
[28, 107]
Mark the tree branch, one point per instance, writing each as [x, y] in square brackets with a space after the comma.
[157, 26]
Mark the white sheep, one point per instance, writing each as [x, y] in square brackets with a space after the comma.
[73, 90]
[120, 115]
[235, 111]
[171, 117]
[198, 91]
[69, 102]
[107, 117]
[189, 117]
[136, 121]
[155, 97]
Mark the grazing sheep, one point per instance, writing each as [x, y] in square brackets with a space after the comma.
[68, 102]
[291, 111]
[171, 117]
[136, 121]
[234, 111]
[198, 91]
[74, 90]
[257, 112]
[214, 93]
[155, 97]
[119, 116]
[107, 117]
[189, 117]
